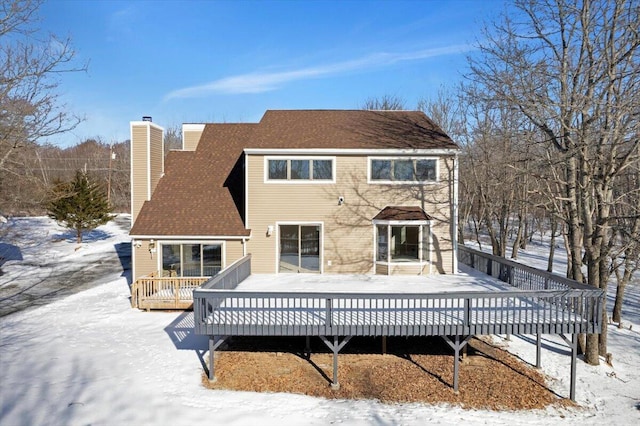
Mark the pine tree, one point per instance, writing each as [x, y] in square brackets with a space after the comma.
[80, 204]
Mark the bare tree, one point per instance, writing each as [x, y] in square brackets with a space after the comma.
[172, 138]
[384, 103]
[572, 68]
[30, 107]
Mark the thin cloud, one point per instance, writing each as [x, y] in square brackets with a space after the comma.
[260, 82]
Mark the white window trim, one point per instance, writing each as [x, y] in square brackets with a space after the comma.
[389, 224]
[289, 181]
[303, 223]
[223, 250]
[403, 182]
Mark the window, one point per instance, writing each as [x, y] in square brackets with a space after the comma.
[403, 170]
[402, 243]
[425, 170]
[299, 169]
[191, 260]
[382, 248]
[322, 169]
[277, 169]
[380, 169]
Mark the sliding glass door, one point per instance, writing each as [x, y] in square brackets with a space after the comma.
[299, 248]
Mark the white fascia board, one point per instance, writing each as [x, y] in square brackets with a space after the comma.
[193, 127]
[147, 123]
[189, 237]
[349, 151]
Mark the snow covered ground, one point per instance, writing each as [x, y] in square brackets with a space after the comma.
[89, 358]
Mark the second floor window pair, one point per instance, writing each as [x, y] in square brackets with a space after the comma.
[382, 170]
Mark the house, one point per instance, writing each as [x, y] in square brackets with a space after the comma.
[357, 192]
[303, 191]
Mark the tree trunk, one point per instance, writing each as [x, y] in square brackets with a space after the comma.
[79, 235]
[617, 306]
[552, 244]
[518, 242]
[573, 226]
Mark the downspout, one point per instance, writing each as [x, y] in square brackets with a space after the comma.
[244, 247]
[454, 214]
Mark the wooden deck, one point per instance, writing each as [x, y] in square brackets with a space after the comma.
[154, 292]
[537, 303]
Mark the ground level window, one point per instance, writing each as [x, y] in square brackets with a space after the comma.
[191, 260]
[402, 243]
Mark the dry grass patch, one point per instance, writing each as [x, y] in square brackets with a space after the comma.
[413, 370]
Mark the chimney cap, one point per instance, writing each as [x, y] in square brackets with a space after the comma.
[146, 118]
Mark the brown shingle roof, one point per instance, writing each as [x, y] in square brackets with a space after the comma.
[402, 213]
[201, 193]
[349, 129]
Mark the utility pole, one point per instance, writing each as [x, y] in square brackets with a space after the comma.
[112, 156]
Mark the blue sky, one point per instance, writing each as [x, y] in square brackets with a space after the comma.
[229, 61]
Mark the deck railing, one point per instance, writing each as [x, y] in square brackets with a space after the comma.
[231, 276]
[153, 292]
[393, 314]
[516, 274]
[543, 303]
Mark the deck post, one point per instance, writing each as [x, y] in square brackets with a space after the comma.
[335, 385]
[456, 363]
[212, 374]
[456, 345]
[573, 344]
[213, 345]
[307, 346]
[335, 347]
[574, 353]
[538, 349]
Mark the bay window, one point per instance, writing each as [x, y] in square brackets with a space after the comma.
[402, 242]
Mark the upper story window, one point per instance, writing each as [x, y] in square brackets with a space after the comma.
[403, 170]
[300, 169]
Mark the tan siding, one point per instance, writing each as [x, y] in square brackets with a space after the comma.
[156, 156]
[145, 262]
[191, 139]
[233, 249]
[348, 230]
[139, 168]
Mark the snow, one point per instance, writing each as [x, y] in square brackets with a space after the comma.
[466, 280]
[88, 358]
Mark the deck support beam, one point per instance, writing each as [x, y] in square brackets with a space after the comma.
[538, 350]
[456, 345]
[335, 347]
[307, 346]
[573, 344]
[214, 343]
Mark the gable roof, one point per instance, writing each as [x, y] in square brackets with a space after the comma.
[201, 191]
